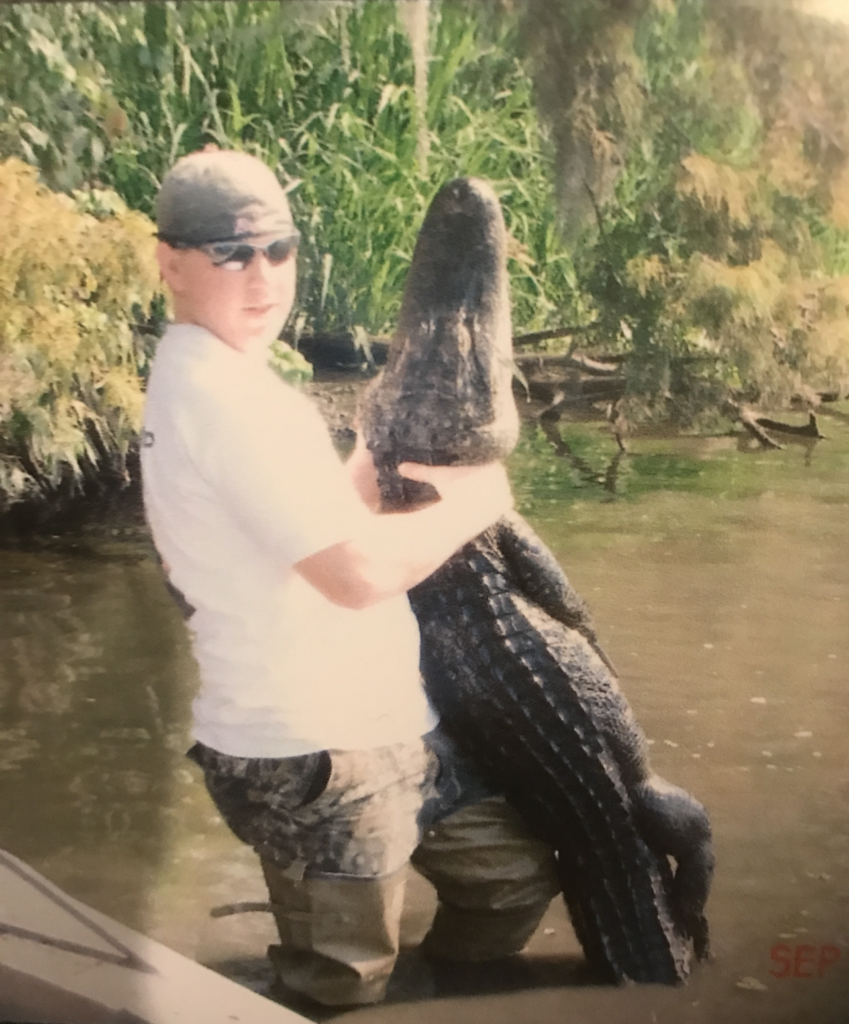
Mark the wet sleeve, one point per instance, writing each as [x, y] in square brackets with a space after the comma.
[269, 459]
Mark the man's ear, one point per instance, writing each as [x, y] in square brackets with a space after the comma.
[170, 266]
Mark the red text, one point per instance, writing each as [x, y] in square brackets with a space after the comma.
[802, 961]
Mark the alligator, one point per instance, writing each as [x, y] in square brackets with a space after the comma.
[510, 658]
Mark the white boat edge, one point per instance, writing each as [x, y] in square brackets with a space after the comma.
[49, 976]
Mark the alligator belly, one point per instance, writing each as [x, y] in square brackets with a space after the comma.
[510, 685]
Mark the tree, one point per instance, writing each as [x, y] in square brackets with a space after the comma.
[706, 143]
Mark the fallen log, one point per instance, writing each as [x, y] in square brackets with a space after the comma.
[583, 363]
[810, 429]
[749, 421]
[342, 351]
[554, 332]
[758, 427]
[565, 391]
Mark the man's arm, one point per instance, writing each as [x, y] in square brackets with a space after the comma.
[394, 552]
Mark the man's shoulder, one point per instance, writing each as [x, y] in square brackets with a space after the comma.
[192, 364]
[199, 378]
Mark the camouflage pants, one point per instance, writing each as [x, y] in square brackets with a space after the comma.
[355, 813]
[335, 830]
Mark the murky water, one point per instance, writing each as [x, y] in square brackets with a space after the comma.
[719, 580]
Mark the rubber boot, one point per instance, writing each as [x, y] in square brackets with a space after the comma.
[339, 937]
[460, 934]
[493, 879]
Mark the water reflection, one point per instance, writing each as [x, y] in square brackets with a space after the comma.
[719, 581]
[606, 477]
[94, 676]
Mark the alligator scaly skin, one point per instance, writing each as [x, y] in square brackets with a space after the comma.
[532, 698]
[509, 657]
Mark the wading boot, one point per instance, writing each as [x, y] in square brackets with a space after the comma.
[339, 937]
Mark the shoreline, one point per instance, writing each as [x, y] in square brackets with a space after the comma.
[105, 508]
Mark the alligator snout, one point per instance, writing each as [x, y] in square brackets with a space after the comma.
[445, 396]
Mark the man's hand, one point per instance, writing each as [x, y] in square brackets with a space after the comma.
[482, 488]
[396, 551]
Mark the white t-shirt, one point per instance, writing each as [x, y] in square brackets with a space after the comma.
[241, 481]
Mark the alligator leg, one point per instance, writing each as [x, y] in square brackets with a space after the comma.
[673, 822]
[538, 575]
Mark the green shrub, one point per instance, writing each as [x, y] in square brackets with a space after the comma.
[71, 285]
[715, 203]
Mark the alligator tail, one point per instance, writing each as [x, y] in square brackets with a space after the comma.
[501, 682]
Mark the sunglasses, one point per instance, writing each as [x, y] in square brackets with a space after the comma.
[238, 255]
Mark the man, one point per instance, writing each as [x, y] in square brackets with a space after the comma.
[311, 727]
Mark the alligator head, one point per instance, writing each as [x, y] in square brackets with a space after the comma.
[445, 396]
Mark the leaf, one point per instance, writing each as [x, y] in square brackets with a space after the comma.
[290, 365]
[717, 185]
[752, 985]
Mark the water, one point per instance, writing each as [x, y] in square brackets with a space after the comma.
[719, 581]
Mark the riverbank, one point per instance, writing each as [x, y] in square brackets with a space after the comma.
[117, 503]
[112, 508]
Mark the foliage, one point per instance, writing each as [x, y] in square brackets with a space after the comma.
[52, 94]
[325, 93]
[697, 151]
[71, 284]
[589, 90]
[289, 364]
[102, 98]
[714, 172]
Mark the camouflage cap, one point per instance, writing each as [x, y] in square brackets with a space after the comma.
[220, 196]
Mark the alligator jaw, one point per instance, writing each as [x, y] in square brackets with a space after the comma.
[445, 396]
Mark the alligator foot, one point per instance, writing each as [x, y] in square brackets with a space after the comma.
[675, 824]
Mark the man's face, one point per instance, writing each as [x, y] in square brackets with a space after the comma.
[244, 308]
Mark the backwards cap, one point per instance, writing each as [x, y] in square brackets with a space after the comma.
[220, 196]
